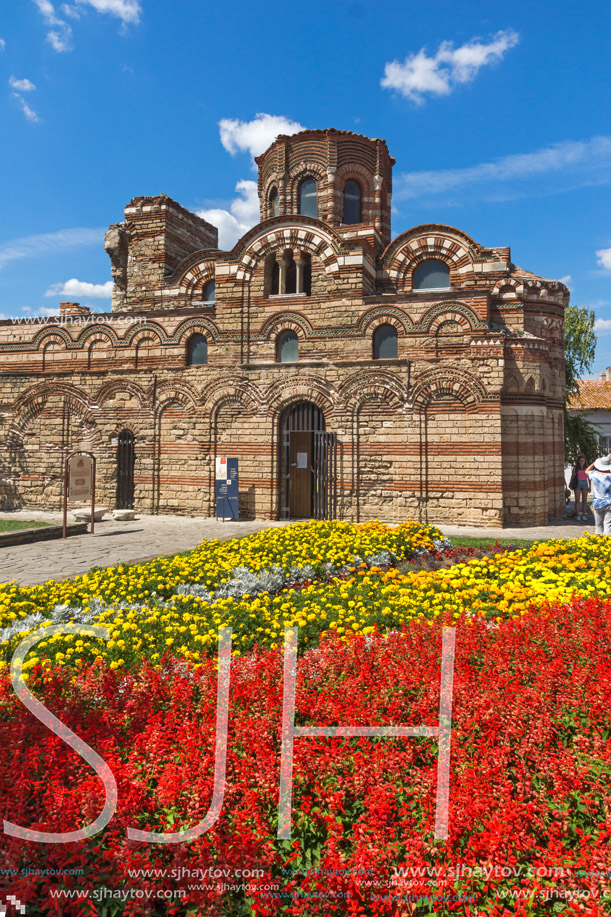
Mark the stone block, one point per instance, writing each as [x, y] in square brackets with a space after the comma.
[123, 515]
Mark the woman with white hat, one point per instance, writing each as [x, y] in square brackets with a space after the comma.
[599, 473]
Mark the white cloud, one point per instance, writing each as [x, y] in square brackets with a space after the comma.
[604, 258]
[41, 310]
[70, 11]
[38, 246]
[21, 85]
[255, 136]
[2, 44]
[242, 215]
[74, 287]
[60, 33]
[602, 324]
[47, 10]
[589, 161]
[60, 40]
[29, 112]
[566, 280]
[126, 10]
[438, 75]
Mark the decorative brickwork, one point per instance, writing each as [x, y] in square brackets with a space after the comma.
[461, 423]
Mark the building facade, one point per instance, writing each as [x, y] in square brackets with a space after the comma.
[352, 374]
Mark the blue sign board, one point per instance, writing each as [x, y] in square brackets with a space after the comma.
[226, 488]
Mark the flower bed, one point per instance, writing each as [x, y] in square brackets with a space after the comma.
[322, 546]
[494, 587]
[531, 770]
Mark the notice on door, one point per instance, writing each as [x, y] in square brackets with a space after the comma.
[302, 460]
[80, 477]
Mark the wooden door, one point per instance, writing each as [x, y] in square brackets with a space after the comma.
[301, 475]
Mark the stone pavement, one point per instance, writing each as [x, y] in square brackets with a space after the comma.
[147, 537]
[144, 538]
[565, 529]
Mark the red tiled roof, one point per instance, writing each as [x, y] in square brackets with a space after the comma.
[593, 393]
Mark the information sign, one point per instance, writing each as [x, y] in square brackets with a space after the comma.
[80, 477]
[226, 487]
[79, 483]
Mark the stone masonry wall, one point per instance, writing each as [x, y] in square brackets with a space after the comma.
[464, 425]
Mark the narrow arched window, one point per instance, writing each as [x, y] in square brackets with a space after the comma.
[431, 275]
[352, 202]
[307, 275]
[197, 350]
[273, 203]
[210, 292]
[308, 198]
[385, 343]
[291, 276]
[287, 347]
[275, 278]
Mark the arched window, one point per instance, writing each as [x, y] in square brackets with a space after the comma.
[273, 208]
[291, 276]
[210, 292]
[385, 343]
[197, 350]
[431, 275]
[287, 347]
[352, 202]
[308, 198]
[274, 276]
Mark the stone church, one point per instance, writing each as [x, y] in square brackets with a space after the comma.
[352, 375]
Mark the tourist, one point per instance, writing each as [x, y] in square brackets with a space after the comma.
[599, 473]
[579, 483]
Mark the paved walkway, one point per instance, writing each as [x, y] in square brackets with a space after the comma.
[565, 529]
[147, 537]
[144, 538]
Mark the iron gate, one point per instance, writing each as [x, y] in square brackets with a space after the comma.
[126, 458]
[325, 476]
[308, 462]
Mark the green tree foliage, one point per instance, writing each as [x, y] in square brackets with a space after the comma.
[579, 345]
[580, 437]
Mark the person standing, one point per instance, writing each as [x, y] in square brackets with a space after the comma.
[599, 473]
[579, 483]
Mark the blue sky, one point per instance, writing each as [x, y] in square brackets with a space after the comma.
[498, 117]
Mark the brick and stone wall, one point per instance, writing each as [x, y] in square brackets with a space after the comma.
[464, 425]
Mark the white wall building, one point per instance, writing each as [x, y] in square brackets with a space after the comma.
[594, 402]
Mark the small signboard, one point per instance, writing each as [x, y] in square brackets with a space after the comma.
[80, 477]
[79, 483]
[226, 488]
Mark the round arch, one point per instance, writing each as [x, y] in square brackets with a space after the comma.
[307, 464]
[444, 383]
[282, 321]
[442, 312]
[316, 241]
[385, 315]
